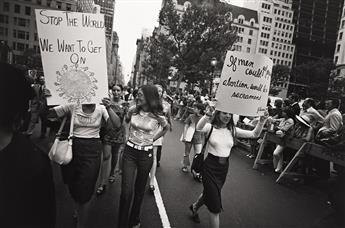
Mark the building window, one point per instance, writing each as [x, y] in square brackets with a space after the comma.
[14, 33]
[250, 32]
[248, 50]
[3, 31]
[336, 60]
[20, 47]
[3, 19]
[17, 8]
[68, 7]
[338, 47]
[252, 24]
[21, 35]
[249, 41]
[35, 36]
[240, 21]
[39, 2]
[340, 36]
[6, 6]
[28, 10]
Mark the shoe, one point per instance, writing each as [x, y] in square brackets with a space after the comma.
[158, 164]
[136, 226]
[195, 215]
[112, 179]
[185, 169]
[101, 190]
[152, 189]
[277, 170]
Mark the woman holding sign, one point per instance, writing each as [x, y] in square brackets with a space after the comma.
[222, 133]
[82, 172]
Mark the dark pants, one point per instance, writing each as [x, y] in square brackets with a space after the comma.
[159, 153]
[134, 162]
[114, 155]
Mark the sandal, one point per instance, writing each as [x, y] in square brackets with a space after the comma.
[185, 169]
[112, 179]
[152, 189]
[195, 215]
[101, 190]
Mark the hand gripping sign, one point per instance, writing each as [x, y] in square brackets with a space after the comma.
[73, 56]
[244, 84]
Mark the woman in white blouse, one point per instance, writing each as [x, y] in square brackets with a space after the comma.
[215, 168]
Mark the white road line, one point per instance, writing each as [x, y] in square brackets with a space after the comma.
[161, 209]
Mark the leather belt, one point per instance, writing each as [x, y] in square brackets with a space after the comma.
[137, 147]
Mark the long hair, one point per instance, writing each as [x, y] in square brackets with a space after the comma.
[230, 126]
[153, 102]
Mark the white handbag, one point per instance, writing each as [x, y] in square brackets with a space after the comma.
[61, 151]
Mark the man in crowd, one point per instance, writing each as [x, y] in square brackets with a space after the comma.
[38, 107]
[308, 108]
[294, 99]
[332, 125]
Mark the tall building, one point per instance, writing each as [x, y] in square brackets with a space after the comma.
[107, 8]
[245, 21]
[339, 53]
[276, 29]
[87, 6]
[18, 26]
[316, 28]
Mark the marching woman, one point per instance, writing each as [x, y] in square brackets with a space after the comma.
[82, 172]
[222, 134]
[144, 119]
[113, 141]
[157, 145]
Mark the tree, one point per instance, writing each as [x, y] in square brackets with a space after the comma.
[280, 75]
[314, 76]
[158, 59]
[201, 33]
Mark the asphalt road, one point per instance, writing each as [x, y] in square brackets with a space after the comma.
[250, 198]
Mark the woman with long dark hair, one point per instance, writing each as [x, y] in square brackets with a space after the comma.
[222, 135]
[144, 119]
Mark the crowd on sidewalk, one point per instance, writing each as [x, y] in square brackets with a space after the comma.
[124, 135]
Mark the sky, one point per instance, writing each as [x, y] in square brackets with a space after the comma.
[130, 18]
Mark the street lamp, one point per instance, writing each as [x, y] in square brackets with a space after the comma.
[213, 65]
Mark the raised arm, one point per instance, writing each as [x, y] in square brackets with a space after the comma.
[255, 133]
[113, 120]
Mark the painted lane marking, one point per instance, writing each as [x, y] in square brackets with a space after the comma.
[161, 209]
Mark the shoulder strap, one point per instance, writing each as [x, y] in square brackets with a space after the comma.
[61, 126]
[206, 141]
[72, 123]
[209, 134]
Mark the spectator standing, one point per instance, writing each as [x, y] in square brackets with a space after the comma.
[39, 108]
[27, 197]
[294, 99]
[308, 108]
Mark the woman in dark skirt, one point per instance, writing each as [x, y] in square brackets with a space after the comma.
[222, 132]
[82, 172]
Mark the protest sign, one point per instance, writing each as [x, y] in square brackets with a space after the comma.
[73, 56]
[244, 84]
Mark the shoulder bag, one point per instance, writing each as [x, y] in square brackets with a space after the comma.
[61, 151]
[198, 159]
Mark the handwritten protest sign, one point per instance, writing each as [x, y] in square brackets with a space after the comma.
[73, 56]
[244, 84]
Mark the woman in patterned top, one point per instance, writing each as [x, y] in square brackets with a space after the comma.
[113, 141]
[144, 119]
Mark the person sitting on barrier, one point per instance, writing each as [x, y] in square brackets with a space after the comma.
[303, 129]
[283, 130]
[327, 133]
[308, 109]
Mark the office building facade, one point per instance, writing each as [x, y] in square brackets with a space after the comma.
[18, 26]
[107, 8]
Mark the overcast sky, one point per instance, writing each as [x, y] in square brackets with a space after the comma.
[130, 18]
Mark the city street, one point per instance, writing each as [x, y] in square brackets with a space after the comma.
[250, 198]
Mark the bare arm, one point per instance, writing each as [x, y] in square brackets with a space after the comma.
[114, 119]
[202, 122]
[161, 132]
